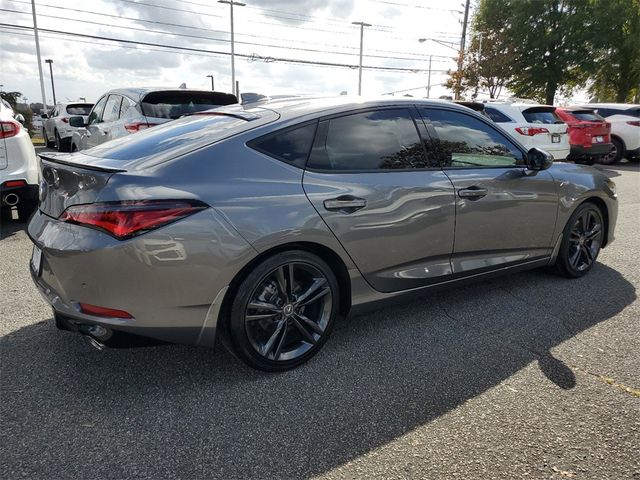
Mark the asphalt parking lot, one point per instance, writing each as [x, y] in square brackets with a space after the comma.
[526, 376]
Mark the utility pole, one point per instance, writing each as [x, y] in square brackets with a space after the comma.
[462, 45]
[53, 88]
[429, 81]
[233, 54]
[362, 25]
[211, 77]
[35, 32]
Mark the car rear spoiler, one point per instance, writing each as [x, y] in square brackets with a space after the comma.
[67, 159]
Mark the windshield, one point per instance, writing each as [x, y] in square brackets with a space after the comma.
[175, 104]
[79, 109]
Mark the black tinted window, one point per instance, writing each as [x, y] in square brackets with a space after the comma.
[607, 112]
[96, 114]
[587, 115]
[496, 115]
[292, 145]
[383, 139]
[174, 104]
[80, 109]
[465, 141]
[536, 115]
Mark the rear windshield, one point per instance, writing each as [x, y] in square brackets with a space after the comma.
[168, 137]
[541, 115]
[175, 104]
[588, 116]
[79, 109]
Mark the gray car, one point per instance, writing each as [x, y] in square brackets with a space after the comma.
[123, 111]
[263, 224]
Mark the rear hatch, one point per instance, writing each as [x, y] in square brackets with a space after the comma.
[590, 128]
[161, 106]
[80, 109]
[78, 178]
[545, 126]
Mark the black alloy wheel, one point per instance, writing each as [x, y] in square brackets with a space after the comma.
[283, 311]
[582, 240]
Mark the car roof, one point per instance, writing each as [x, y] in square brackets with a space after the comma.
[295, 107]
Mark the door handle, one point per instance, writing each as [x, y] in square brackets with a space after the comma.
[345, 204]
[472, 193]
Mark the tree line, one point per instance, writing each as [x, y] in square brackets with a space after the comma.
[539, 48]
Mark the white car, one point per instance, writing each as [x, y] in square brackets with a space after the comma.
[18, 166]
[56, 130]
[625, 129]
[533, 125]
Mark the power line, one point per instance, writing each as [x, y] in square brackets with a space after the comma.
[222, 40]
[199, 50]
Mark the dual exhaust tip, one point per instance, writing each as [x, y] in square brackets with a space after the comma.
[11, 199]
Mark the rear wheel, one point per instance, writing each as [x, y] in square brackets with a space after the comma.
[48, 143]
[615, 155]
[283, 311]
[581, 241]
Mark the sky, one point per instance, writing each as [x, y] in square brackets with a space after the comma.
[267, 32]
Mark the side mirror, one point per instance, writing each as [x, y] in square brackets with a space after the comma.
[44, 116]
[76, 121]
[538, 159]
[19, 118]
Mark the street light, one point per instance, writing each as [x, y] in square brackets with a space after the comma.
[362, 25]
[53, 88]
[211, 77]
[233, 60]
[444, 44]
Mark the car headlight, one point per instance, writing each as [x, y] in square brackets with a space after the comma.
[611, 186]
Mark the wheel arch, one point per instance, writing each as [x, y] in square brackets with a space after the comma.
[334, 261]
[602, 206]
[619, 138]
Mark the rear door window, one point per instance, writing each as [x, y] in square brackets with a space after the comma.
[496, 115]
[291, 145]
[541, 115]
[464, 141]
[376, 140]
[174, 104]
[112, 109]
[79, 109]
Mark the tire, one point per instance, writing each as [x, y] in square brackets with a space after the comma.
[615, 155]
[58, 141]
[275, 327]
[581, 241]
[48, 143]
[634, 159]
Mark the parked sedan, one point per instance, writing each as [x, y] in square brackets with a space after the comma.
[625, 129]
[121, 112]
[589, 135]
[265, 223]
[56, 130]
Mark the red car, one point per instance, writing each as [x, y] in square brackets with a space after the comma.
[589, 134]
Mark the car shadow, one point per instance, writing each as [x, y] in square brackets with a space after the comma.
[179, 411]
[8, 228]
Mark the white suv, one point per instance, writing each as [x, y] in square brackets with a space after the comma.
[18, 166]
[625, 129]
[533, 125]
[56, 129]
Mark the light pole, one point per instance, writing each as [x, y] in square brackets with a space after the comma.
[211, 77]
[53, 88]
[233, 59]
[362, 25]
[35, 32]
[422, 40]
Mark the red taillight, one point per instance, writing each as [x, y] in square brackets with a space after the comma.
[635, 123]
[14, 183]
[136, 127]
[65, 119]
[531, 131]
[9, 129]
[130, 218]
[103, 311]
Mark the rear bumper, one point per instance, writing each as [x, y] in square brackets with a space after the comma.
[559, 152]
[26, 193]
[171, 281]
[594, 150]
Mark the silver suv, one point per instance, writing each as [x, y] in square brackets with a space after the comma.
[56, 129]
[124, 111]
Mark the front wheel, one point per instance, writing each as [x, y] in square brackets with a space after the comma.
[283, 311]
[581, 241]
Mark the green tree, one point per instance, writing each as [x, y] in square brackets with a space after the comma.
[617, 57]
[11, 98]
